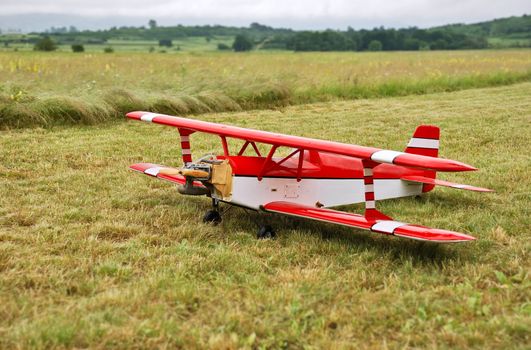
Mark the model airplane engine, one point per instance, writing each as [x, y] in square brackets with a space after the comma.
[207, 176]
[195, 172]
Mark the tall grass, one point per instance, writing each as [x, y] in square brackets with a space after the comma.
[59, 88]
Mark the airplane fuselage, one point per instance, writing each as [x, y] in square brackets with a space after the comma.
[325, 180]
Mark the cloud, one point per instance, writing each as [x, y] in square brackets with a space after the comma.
[310, 13]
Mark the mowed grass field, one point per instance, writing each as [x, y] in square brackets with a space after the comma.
[93, 255]
[46, 89]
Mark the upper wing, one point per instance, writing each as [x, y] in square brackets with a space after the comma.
[361, 152]
[388, 227]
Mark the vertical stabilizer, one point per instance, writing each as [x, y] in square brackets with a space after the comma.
[425, 142]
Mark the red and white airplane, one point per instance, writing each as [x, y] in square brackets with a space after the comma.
[316, 175]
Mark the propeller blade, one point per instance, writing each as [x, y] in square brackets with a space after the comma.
[194, 173]
[184, 172]
[170, 171]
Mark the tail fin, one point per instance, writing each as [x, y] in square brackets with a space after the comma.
[425, 142]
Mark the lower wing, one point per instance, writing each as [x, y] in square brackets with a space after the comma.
[154, 170]
[388, 227]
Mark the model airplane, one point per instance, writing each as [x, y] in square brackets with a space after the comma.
[316, 175]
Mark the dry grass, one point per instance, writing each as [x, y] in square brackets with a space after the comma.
[89, 88]
[92, 255]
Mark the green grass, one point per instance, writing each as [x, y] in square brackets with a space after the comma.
[47, 89]
[187, 44]
[95, 256]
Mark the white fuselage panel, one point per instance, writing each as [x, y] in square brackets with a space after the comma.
[247, 191]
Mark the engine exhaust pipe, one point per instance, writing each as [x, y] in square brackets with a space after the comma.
[189, 189]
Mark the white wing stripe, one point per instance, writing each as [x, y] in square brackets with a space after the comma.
[387, 226]
[148, 117]
[153, 171]
[423, 143]
[385, 156]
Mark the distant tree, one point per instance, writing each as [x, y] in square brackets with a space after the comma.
[411, 44]
[72, 29]
[242, 43]
[207, 39]
[439, 44]
[108, 49]
[152, 24]
[375, 45]
[45, 44]
[78, 48]
[223, 47]
[151, 49]
[424, 46]
[260, 27]
[165, 42]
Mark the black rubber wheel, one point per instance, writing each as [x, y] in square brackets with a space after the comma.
[266, 232]
[212, 217]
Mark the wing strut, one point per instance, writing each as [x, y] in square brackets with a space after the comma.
[266, 162]
[185, 145]
[371, 213]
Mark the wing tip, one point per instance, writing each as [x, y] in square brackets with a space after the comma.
[422, 233]
[135, 115]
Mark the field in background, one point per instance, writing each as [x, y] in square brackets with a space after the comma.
[45, 89]
[189, 44]
[94, 256]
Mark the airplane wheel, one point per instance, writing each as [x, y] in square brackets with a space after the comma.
[212, 217]
[266, 232]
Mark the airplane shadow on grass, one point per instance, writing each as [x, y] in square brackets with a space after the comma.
[398, 249]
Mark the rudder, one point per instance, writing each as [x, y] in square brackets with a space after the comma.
[425, 142]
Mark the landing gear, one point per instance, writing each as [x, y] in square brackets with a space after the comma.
[266, 232]
[213, 216]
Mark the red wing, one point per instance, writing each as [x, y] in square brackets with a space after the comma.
[361, 152]
[153, 170]
[430, 181]
[388, 227]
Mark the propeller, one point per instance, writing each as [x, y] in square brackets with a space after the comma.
[184, 172]
[192, 173]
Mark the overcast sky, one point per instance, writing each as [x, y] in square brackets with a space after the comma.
[298, 14]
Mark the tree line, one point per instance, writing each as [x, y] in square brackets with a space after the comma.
[380, 39]
[259, 36]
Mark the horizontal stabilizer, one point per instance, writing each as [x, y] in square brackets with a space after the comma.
[162, 172]
[430, 181]
[389, 227]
